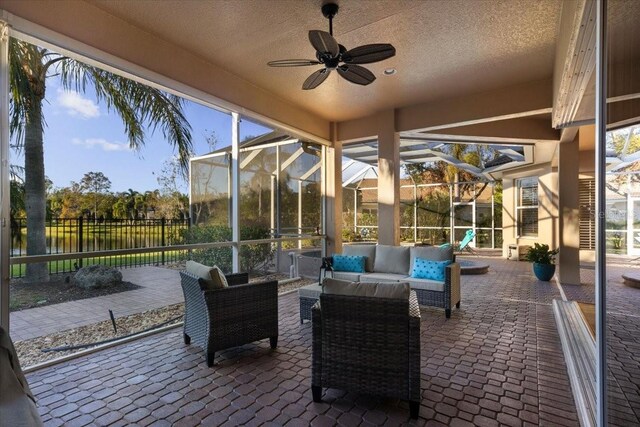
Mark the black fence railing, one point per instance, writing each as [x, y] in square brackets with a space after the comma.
[67, 235]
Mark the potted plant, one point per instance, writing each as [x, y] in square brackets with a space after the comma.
[543, 261]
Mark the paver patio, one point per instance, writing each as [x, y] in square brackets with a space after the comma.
[160, 287]
[623, 338]
[497, 361]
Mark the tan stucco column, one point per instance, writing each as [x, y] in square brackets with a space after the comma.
[388, 180]
[569, 213]
[333, 198]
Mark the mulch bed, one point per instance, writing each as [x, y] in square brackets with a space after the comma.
[30, 351]
[59, 289]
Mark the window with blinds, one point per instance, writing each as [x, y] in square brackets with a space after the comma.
[527, 206]
[587, 201]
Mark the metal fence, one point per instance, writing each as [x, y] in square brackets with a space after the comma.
[73, 235]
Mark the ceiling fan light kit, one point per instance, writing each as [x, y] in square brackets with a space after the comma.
[335, 56]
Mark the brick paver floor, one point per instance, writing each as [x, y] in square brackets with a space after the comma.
[623, 337]
[497, 361]
[160, 287]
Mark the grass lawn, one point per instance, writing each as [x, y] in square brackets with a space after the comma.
[66, 266]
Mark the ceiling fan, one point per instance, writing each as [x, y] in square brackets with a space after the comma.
[335, 56]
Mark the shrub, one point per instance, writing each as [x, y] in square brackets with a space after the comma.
[252, 257]
[541, 254]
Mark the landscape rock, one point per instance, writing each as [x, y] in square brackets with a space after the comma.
[97, 276]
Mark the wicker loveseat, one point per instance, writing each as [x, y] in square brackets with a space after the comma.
[235, 315]
[393, 264]
[367, 344]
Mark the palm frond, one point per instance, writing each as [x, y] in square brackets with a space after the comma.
[136, 104]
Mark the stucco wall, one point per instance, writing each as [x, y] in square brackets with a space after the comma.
[547, 210]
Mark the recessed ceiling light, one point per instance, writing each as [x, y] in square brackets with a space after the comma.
[390, 71]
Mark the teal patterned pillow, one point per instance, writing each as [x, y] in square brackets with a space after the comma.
[353, 264]
[427, 269]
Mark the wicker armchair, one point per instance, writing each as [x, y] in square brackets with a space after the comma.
[367, 345]
[222, 318]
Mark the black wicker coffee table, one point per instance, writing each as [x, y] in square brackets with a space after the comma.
[308, 296]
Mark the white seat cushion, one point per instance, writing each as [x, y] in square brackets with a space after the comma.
[383, 278]
[347, 275]
[426, 284]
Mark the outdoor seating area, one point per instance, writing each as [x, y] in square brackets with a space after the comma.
[498, 360]
[436, 280]
[236, 314]
[336, 212]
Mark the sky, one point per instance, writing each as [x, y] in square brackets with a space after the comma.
[81, 135]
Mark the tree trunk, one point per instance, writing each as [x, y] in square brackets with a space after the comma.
[35, 192]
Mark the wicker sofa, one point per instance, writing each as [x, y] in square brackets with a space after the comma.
[235, 315]
[393, 264]
[367, 344]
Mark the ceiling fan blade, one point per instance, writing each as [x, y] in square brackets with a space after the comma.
[369, 53]
[315, 79]
[356, 74]
[324, 42]
[292, 63]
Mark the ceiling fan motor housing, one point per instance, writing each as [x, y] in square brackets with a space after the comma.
[329, 10]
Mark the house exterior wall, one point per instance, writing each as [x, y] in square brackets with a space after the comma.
[547, 207]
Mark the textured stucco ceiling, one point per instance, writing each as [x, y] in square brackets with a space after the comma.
[444, 48]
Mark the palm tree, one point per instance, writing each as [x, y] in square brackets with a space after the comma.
[137, 105]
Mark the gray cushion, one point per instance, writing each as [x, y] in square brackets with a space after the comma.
[392, 259]
[311, 291]
[368, 251]
[377, 290]
[336, 282]
[383, 278]
[218, 277]
[426, 284]
[210, 277]
[346, 275]
[432, 253]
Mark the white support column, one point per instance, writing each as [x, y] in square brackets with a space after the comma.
[452, 231]
[415, 213]
[601, 249]
[5, 204]
[273, 205]
[493, 217]
[332, 190]
[355, 211]
[388, 180]
[569, 213]
[235, 190]
[630, 214]
[300, 212]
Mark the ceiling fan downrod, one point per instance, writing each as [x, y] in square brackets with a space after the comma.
[330, 10]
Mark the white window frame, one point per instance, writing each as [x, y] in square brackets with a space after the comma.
[520, 208]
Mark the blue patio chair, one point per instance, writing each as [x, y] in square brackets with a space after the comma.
[464, 245]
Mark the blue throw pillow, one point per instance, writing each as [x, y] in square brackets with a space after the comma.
[353, 263]
[427, 269]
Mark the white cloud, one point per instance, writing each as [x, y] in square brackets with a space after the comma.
[77, 105]
[101, 143]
